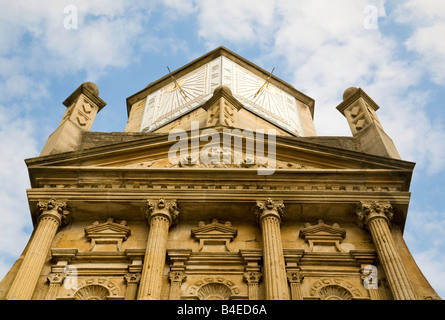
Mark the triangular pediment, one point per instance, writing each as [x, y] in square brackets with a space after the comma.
[109, 228]
[214, 230]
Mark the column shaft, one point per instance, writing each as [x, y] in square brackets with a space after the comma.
[274, 266]
[154, 262]
[391, 261]
[26, 279]
[269, 215]
[376, 217]
[161, 214]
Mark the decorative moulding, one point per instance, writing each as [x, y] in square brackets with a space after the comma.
[107, 236]
[323, 237]
[214, 236]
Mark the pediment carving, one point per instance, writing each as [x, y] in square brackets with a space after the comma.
[107, 236]
[322, 237]
[192, 161]
[214, 236]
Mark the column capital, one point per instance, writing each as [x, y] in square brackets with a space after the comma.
[56, 278]
[368, 211]
[177, 276]
[166, 208]
[132, 277]
[252, 277]
[269, 207]
[58, 210]
[295, 276]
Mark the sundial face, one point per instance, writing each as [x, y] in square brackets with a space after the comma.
[256, 93]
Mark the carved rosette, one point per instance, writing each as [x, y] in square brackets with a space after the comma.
[366, 212]
[269, 208]
[53, 209]
[167, 209]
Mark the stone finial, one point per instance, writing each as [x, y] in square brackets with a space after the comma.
[349, 92]
[360, 112]
[82, 107]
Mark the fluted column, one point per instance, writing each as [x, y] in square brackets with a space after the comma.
[160, 215]
[253, 280]
[295, 278]
[376, 218]
[55, 282]
[176, 280]
[132, 280]
[269, 217]
[52, 215]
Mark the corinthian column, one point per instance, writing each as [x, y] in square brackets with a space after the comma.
[253, 280]
[269, 216]
[51, 216]
[295, 280]
[176, 280]
[160, 215]
[132, 280]
[376, 218]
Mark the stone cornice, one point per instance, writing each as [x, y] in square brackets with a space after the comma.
[113, 153]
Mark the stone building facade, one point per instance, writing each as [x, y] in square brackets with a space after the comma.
[170, 209]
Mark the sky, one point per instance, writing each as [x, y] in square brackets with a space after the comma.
[393, 50]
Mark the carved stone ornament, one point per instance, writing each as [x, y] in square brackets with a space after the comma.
[162, 207]
[95, 289]
[252, 277]
[56, 278]
[294, 277]
[132, 277]
[56, 209]
[214, 236]
[323, 237]
[177, 276]
[213, 288]
[107, 236]
[269, 207]
[366, 212]
[334, 289]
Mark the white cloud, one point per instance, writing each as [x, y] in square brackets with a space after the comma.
[247, 21]
[428, 253]
[17, 143]
[426, 18]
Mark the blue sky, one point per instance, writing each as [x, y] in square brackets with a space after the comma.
[394, 50]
